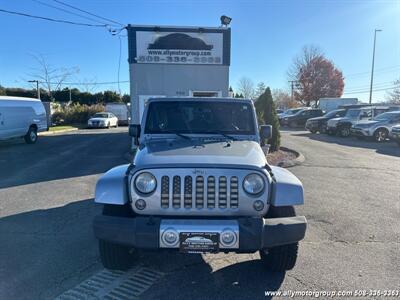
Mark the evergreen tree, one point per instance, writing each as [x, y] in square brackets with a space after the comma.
[265, 107]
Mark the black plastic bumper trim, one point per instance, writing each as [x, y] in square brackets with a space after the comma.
[254, 233]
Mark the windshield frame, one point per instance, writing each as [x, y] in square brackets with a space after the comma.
[103, 113]
[253, 135]
[334, 112]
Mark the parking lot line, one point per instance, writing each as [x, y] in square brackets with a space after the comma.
[114, 285]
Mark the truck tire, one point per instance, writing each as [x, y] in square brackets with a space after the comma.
[280, 258]
[114, 256]
[31, 136]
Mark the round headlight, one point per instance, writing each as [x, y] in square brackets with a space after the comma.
[253, 184]
[145, 183]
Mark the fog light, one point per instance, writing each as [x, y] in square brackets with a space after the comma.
[258, 205]
[228, 237]
[170, 237]
[140, 204]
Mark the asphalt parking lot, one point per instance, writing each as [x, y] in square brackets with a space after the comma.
[47, 247]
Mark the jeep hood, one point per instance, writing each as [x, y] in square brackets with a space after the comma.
[162, 152]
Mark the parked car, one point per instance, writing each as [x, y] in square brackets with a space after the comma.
[342, 126]
[378, 127]
[289, 112]
[300, 118]
[120, 110]
[22, 117]
[199, 170]
[279, 111]
[103, 120]
[318, 124]
[395, 134]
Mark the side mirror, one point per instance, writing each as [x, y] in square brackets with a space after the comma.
[266, 132]
[134, 131]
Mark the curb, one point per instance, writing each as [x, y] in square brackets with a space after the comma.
[294, 162]
[44, 133]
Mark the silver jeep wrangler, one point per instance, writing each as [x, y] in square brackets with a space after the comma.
[199, 182]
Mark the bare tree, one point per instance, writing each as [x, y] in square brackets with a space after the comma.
[394, 95]
[51, 78]
[260, 89]
[283, 99]
[246, 87]
[87, 85]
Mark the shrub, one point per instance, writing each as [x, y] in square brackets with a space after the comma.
[75, 113]
[265, 107]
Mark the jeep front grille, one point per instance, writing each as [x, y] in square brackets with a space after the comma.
[202, 192]
[208, 195]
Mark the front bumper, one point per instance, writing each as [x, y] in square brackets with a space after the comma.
[97, 125]
[253, 233]
[312, 126]
[395, 135]
[360, 132]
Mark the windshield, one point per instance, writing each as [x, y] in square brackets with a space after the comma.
[332, 113]
[200, 117]
[100, 115]
[293, 111]
[353, 113]
[385, 116]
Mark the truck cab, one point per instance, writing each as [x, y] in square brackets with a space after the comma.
[199, 182]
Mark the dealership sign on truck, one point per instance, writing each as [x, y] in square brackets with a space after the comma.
[162, 45]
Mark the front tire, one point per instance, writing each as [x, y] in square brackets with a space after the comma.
[280, 258]
[381, 135]
[115, 256]
[344, 131]
[31, 136]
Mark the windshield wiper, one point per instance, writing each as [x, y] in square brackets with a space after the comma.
[176, 133]
[223, 134]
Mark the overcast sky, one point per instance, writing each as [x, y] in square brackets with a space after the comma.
[266, 35]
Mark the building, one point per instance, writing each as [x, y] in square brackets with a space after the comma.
[177, 61]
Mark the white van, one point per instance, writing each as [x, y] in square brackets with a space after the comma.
[120, 110]
[21, 117]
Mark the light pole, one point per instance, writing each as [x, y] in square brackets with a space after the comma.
[373, 64]
[37, 87]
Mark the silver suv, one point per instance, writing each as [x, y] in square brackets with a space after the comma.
[342, 126]
[379, 127]
[199, 182]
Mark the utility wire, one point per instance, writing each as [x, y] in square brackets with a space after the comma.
[50, 19]
[85, 83]
[70, 12]
[89, 13]
[367, 91]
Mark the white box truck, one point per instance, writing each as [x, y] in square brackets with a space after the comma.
[22, 117]
[120, 110]
[329, 104]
